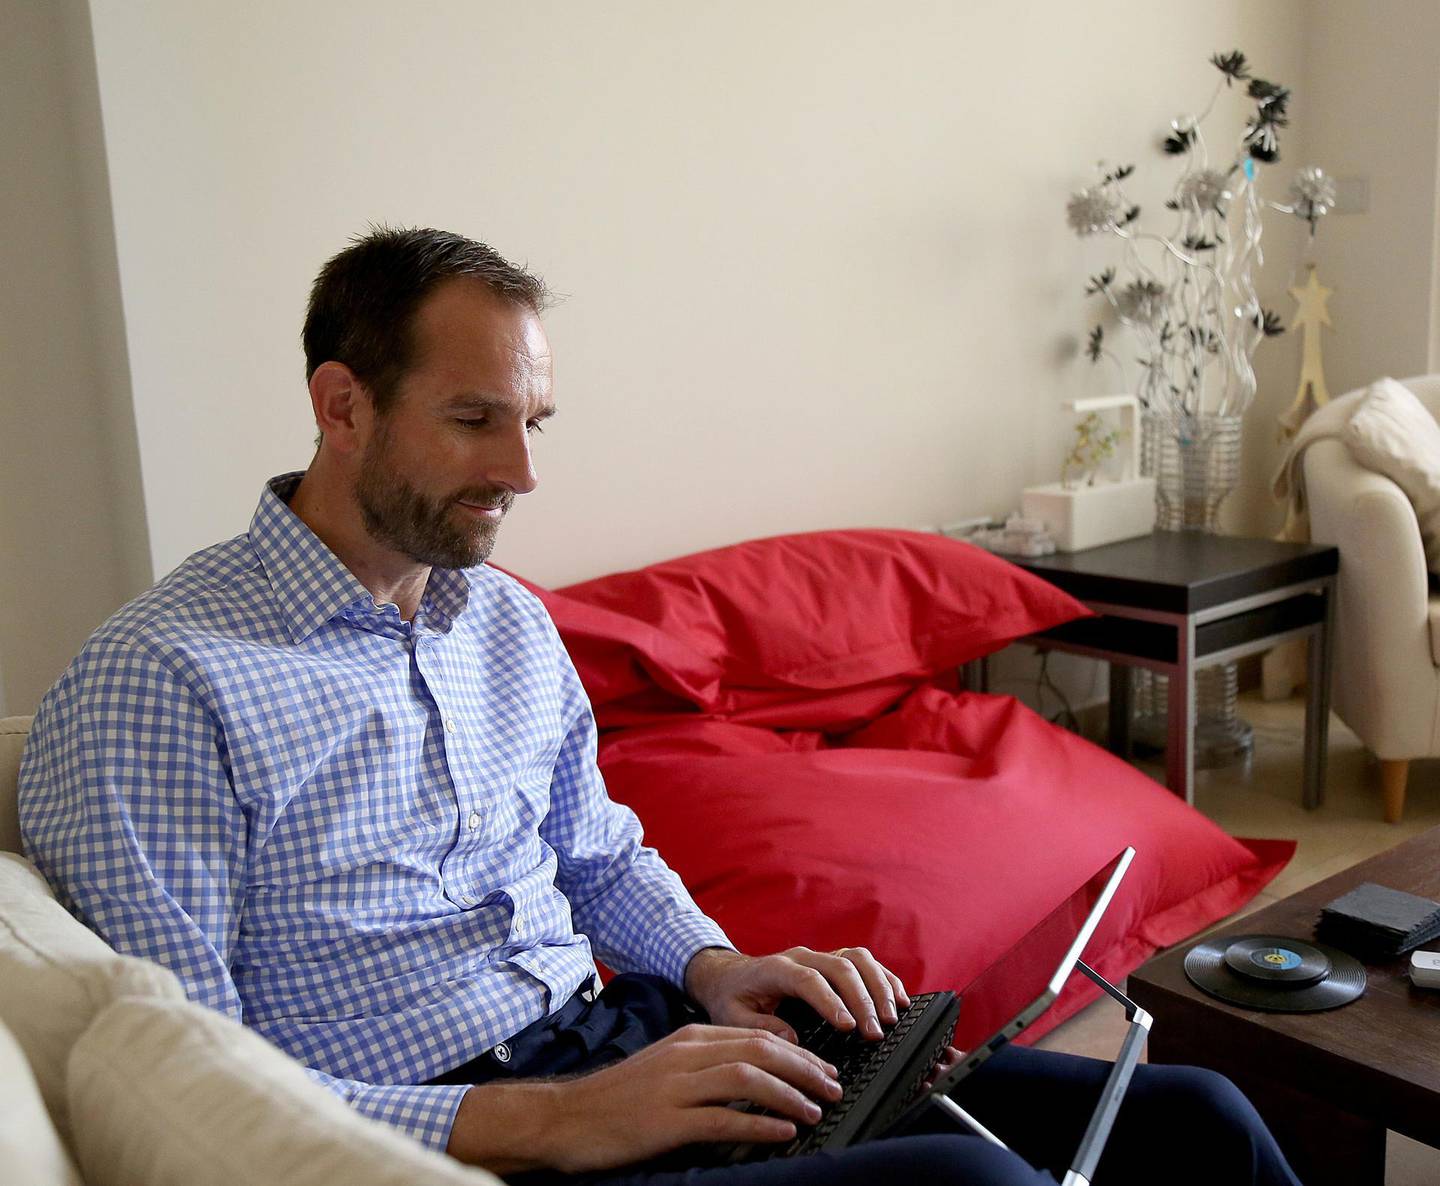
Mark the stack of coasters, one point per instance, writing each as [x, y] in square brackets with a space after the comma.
[1378, 923]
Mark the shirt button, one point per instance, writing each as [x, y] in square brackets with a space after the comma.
[501, 1052]
[474, 821]
[516, 930]
[450, 725]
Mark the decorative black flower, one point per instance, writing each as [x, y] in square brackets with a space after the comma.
[1271, 95]
[1121, 173]
[1232, 65]
[1267, 321]
[1261, 142]
[1130, 216]
[1198, 243]
[1095, 347]
[1100, 283]
[1179, 141]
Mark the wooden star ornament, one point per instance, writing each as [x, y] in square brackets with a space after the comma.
[1310, 315]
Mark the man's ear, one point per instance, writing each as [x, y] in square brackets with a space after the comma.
[343, 407]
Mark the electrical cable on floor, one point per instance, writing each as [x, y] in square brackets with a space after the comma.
[1066, 717]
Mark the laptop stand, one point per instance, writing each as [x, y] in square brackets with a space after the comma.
[1102, 1119]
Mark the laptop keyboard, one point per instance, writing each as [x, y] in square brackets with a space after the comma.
[879, 1077]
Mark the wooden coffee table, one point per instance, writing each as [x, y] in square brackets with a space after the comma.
[1329, 1084]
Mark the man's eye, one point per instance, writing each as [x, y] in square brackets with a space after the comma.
[466, 423]
[535, 426]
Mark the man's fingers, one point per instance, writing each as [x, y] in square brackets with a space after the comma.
[799, 978]
[745, 1081]
[771, 1024]
[707, 1046]
[725, 1125]
[902, 998]
[877, 982]
[844, 976]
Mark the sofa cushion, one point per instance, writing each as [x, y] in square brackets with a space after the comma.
[30, 1149]
[56, 975]
[174, 1094]
[1393, 433]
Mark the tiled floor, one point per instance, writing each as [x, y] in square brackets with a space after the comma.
[1263, 800]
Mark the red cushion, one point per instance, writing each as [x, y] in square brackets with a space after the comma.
[937, 859]
[619, 657]
[830, 609]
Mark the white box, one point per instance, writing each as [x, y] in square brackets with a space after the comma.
[1088, 516]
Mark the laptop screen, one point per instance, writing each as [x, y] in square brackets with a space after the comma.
[1042, 960]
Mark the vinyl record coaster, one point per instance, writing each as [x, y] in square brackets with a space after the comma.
[1276, 973]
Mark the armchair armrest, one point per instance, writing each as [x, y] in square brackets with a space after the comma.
[1386, 683]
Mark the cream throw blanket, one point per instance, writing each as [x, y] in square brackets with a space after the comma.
[1327, 422]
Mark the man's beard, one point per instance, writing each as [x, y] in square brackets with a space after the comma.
[428, 530]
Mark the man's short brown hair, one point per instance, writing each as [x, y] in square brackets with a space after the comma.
[363, 303]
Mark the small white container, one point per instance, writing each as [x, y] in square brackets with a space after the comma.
[1082, 516]
[1088, 516]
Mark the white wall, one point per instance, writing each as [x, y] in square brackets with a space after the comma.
[815, 252]
[72, 531]
[1367, 105]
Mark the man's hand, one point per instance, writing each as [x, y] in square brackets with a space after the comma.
[848, 988]
[948, 1062]
[669, 1094]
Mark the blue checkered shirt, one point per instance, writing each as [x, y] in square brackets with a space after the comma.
[381, 844]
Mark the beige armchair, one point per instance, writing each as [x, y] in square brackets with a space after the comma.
[1387, 633]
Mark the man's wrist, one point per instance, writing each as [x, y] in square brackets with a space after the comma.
[704, 966]
[506, 1127]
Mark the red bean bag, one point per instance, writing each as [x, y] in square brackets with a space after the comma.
[782, 716]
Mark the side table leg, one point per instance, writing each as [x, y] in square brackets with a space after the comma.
[1121, 708]
[1317, 703]
[1180, 736]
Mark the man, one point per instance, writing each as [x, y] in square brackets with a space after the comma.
[339, 776]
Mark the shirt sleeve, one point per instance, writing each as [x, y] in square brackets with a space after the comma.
[634, 909]
[427, 1113]
[127, 808]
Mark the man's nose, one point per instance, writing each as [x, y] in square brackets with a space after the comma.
[513, 466]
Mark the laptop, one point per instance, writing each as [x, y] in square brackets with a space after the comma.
[1015, 991]
[883, 1080]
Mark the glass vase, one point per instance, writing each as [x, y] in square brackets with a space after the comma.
[1195, 462]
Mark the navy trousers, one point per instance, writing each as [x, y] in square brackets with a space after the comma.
[1178, 1126]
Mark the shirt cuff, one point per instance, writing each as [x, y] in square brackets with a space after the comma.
[679, 942]
[426, 1113]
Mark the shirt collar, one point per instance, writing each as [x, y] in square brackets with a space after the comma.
[312, 585]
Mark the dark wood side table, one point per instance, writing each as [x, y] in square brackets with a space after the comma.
[1176, 602]
[1329, 1084]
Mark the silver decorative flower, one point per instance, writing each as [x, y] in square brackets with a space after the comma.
[1204, 188]
[1312, 193]
[1093, 210]
[1142, 301]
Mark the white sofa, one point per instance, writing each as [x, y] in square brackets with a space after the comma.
[109, 1076]
[1386, 683]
